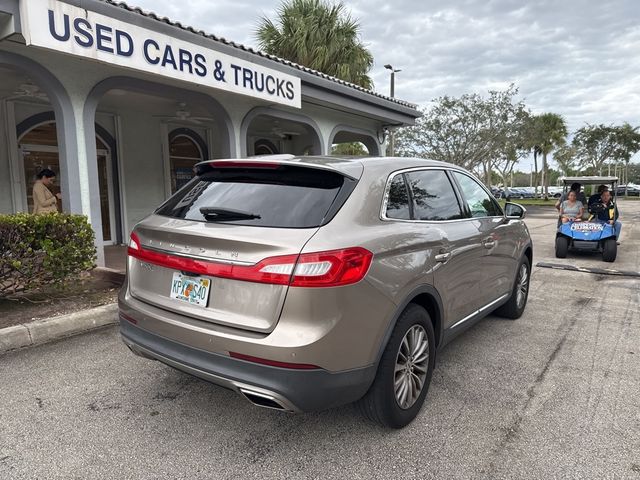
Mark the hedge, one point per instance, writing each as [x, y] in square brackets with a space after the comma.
[44, 249]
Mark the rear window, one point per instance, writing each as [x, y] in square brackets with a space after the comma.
[277, 196]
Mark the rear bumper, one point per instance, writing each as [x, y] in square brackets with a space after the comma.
[282, 388]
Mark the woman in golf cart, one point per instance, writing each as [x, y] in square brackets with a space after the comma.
[571, 209]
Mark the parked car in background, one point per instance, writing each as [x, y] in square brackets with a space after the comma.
[518, 193]
[303, 283]
[629, 190]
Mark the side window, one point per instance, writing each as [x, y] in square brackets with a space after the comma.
[433, 196]
[398, 202]
[480, 203]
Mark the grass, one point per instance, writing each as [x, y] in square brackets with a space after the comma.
[531, 201]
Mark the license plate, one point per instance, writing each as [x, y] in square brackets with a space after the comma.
[193, 290]
[586, 227]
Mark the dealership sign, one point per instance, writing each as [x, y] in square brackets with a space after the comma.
[65, 28]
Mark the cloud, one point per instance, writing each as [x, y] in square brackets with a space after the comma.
[578, 58]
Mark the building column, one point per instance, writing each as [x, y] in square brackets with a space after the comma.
[79, 169]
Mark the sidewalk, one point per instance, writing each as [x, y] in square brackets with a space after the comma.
[43, 331]
[30, 332]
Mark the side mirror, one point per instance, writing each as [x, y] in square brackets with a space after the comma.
[513, 210]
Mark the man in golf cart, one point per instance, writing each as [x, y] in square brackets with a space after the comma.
[605, 210]
[601, 230]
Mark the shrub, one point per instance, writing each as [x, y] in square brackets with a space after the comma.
[45, 249]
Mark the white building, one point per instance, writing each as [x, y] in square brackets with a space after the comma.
[121, 103]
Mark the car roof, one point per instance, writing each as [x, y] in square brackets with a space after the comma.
[588, 180]
[346, 165]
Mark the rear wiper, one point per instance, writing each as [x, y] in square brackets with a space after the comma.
[213, 214]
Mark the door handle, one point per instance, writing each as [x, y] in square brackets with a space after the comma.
[488, 242]
[443, 256]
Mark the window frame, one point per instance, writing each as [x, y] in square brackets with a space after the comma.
[454, 185]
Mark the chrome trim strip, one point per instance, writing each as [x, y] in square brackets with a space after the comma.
[488, 305]
[196, 257]
[234, 385]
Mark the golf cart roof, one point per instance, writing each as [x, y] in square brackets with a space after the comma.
[589, 180]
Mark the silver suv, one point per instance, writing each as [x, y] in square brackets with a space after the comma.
[306, 283]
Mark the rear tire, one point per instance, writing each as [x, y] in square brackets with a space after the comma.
[514, 308]
[610, 250]
[404, 373]
[562, 247]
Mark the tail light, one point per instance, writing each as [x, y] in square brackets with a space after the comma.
[320, 269]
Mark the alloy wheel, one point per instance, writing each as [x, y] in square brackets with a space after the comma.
[411, 366]
[523, 286]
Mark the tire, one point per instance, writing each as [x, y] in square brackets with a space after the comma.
[514, 308]
[562, 247]
[386, 402]
[609, 250]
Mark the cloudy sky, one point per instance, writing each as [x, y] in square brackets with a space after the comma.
[578, 58]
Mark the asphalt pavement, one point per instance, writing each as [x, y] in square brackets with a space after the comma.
[555, 394]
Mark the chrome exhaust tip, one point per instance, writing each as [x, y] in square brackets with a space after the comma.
[263, 400]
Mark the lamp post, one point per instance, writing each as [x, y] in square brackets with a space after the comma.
[391, 94]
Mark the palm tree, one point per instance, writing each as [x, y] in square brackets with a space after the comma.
[318, 35]
[550, 133]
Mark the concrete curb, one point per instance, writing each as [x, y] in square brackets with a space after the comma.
[42, 331]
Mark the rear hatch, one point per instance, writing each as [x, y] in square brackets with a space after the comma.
[208, 252]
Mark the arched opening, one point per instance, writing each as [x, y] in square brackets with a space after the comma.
[38, 146]
[269, 131]
[186, 148]
[347, 140]
[162, 132]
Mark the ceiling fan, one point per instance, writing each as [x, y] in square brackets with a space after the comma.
[277, 131]
[29, 90]
[184, 115]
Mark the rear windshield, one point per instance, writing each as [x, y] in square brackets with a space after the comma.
[281, 196]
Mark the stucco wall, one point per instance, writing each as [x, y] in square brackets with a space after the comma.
[142, 165]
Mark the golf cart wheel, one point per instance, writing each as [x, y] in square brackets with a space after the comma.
[562, 246]
[609, 250]
[404, 372]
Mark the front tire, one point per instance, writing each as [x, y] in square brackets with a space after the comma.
[514, 308]
[610, 250]
[562, 247]
[404, 372]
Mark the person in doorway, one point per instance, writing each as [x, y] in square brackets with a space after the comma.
[43, 200]
[610, 213]
[571, 209]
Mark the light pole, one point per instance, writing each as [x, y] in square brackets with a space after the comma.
[391, 94]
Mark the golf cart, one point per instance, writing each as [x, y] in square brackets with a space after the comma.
[590, 234]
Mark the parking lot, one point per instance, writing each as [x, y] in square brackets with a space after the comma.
[555, 394]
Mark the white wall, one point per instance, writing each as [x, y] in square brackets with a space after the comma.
[142, 165]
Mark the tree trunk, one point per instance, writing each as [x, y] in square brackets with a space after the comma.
[486, 173]
[535, 170]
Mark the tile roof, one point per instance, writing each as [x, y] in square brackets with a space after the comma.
[239, 46]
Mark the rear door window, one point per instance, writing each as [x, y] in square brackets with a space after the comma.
[277, 196]
[433, 196]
